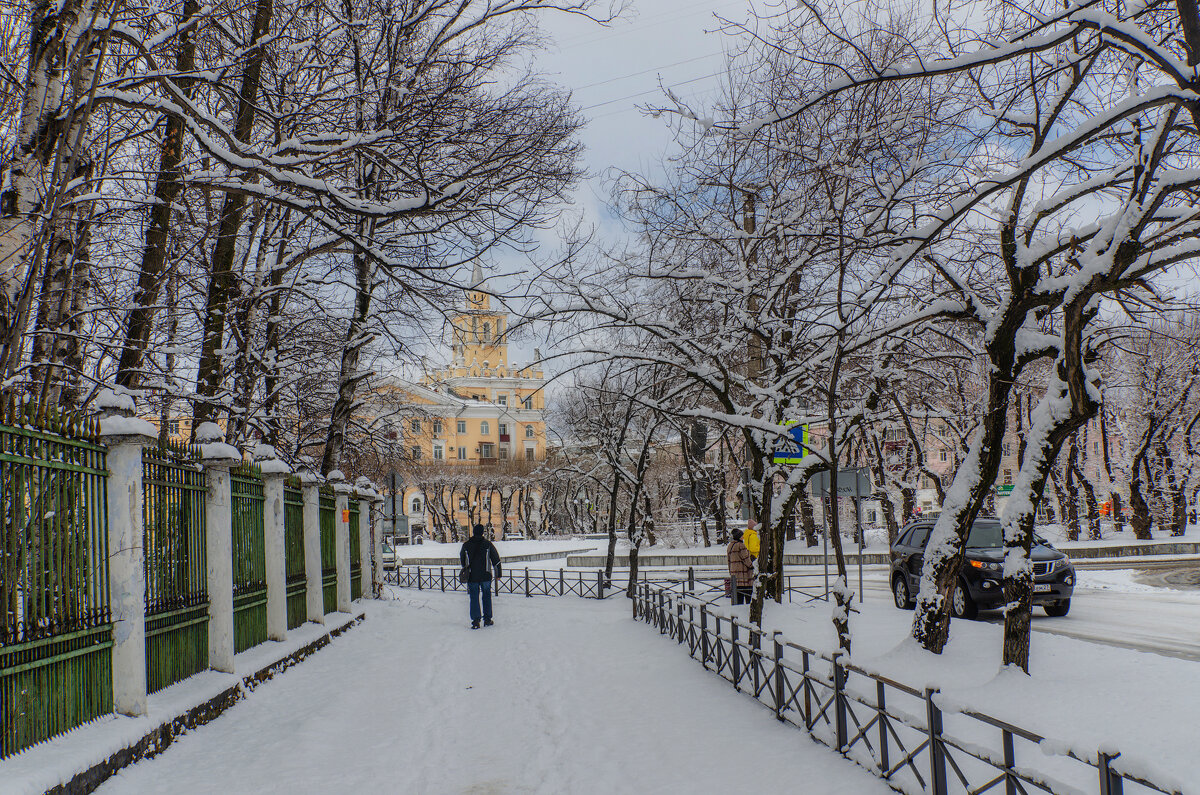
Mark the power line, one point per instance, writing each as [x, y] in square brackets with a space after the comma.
[651, 91]
[646, 71]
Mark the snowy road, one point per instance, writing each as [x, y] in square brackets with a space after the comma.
[1121, 613]
[563, 695]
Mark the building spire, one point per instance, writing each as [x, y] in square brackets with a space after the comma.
[477, 276]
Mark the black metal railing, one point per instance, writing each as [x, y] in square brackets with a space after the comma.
[530, 582]
[911, 737]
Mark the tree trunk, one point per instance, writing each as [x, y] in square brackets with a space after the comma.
[210, 371]
[151, 276]
[1114, 496]
[806, 520]
[349, 377]
[1071, 492]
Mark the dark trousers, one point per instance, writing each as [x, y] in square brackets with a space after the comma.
[474, 589]
[742, 594]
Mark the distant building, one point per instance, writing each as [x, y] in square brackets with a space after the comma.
[470, 433]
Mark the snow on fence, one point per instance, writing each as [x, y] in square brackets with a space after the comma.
[104, 600]
[912, 738]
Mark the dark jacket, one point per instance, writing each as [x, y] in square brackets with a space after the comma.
[741, 565]
[475, 555]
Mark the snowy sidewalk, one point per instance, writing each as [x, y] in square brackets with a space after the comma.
[563, 695]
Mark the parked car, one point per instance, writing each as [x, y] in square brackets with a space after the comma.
[388, 555]
[980, 583]
[514, 537]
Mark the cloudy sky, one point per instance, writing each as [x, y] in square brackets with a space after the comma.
[611, 70]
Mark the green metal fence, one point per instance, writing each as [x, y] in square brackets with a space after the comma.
[55, 625]
[355, 553]
[328, 555]
[175, 487]
[249, 559]
[297, 586]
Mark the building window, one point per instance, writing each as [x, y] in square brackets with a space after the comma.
[528, 431]
[942, 455]
[476, 397]
[462, 454]
[502, 400]
[527, 403]
[416, 426]
[1096, 447]
[871, 517]
[503, 429]
[528, 453]
[503, 452]
[172, 427]
[462, 503]
[437, 453]
[416, 453]
[462, 426]
[487, 450]
[416, 505]
[1004, 449]
[1008, 477]
[437, 427]
[487, 331]
[484, 428]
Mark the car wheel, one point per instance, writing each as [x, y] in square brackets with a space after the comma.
[900, 593]
[961, 603]
[1058, 609]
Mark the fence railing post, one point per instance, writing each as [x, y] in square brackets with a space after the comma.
[600, 584]
[526, 583]
[704, 635]
[561, 584]
[442, 579]
[274, 530]
[839, 700]
[378, 575]
[679, 620]
[218, 531]
[777, 673]
[937, 754]
[1111, 782]
[310, 489]
[884, 764]
[736, 661]
[420, 587]
[691, 579]
[126, 562]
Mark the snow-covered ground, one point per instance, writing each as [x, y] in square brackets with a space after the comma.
[563, 695]
[1082, 695]
[431, 550]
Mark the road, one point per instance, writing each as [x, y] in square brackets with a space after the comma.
[1152, 619]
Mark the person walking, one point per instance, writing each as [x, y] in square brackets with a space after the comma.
[479, 559]
[741, 568]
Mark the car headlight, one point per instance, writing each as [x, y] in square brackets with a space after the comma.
[986, 565]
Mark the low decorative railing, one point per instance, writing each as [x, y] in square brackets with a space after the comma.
[530, 582]
[908, 736]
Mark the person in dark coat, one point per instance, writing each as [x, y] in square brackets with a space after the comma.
[479, 558]
[741, 568]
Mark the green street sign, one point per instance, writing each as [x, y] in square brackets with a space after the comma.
[1004, 490]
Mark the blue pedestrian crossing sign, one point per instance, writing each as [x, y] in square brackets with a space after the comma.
[793, 447]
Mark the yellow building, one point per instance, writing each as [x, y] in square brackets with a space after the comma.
[480, 420]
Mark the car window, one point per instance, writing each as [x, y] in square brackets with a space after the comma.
[985, 535]
[920, 534]
[902, 539]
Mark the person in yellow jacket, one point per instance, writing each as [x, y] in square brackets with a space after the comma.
[750, 538]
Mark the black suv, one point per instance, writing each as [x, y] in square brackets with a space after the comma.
[980, 583]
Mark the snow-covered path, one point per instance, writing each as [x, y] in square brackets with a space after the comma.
[563, 695]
